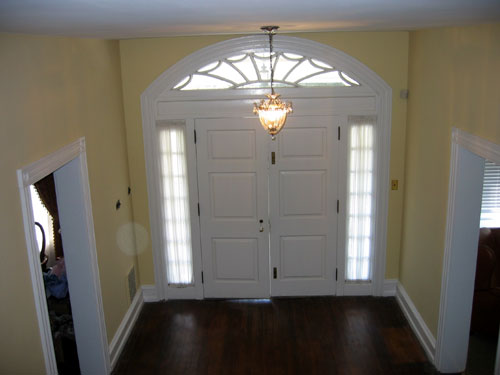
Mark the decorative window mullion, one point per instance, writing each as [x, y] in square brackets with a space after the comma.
[247, 80]
[293, 71]
[312, 75]
[218, 77]
[341, 75]
[254, 63]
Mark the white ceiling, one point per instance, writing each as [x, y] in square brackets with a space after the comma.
[152, 18]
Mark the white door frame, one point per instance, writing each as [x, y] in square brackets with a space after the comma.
[460, 254]
[159, 102]
[69, 165]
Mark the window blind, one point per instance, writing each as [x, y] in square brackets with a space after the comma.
[176, 217]
[490, 206]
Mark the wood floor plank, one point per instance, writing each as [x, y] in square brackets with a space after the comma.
[319, 335]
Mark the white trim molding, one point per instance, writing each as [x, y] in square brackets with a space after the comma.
[160, 102]
[460, 251]
[145, 294]
[125, 328]
[150, 293]
[45, 166]
[70, 163]
[477, 145]
[417, 323]
[357, 288]
[390, 287]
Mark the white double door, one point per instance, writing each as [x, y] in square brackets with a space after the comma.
[268, 209]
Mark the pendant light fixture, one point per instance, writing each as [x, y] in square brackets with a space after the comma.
[272, 112]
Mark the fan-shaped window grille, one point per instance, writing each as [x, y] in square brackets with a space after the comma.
[252, 70]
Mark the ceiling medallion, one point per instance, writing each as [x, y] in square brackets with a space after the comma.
[272, 112]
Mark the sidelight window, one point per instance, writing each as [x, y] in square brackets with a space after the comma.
[176, 217]
[360, 199]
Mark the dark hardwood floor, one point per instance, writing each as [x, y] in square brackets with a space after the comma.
[320, 335]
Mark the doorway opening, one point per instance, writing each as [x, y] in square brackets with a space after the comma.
[69, 168]
[486, 300]
[467, 168]
[55, 280]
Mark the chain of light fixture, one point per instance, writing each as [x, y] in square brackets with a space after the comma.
[271, 30]
[272, 112]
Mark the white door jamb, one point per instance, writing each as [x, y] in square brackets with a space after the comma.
[459, 264]
[60, 160]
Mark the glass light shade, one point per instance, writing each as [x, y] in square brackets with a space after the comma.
[272, 113]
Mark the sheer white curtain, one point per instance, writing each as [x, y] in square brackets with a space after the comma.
[177, 233]
[360, 198]
[490, 207]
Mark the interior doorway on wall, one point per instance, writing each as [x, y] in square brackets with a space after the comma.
[467, 168]
[68, 166]
[55, 279]
[485, 318]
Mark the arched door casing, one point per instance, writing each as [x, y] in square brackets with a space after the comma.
[160, 103]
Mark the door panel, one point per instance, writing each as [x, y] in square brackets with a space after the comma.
[233, 195]
[303, 213]
[293, 145]
[302, 193]
[235, 259]
[233, 191]
[302, 257]
[233, 144]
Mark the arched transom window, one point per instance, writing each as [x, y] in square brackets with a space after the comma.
[252, 70]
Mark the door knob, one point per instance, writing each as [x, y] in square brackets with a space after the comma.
[261, 229]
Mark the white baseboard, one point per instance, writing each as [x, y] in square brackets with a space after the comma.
[366, 289]
[123, 331]
[424, 335]
[149, 293]
[390, 286]
[358, 289]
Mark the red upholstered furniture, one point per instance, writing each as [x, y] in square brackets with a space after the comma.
[486, 303]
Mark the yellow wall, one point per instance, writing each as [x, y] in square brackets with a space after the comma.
[53, 91]
[143, 60]
[454, 80]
